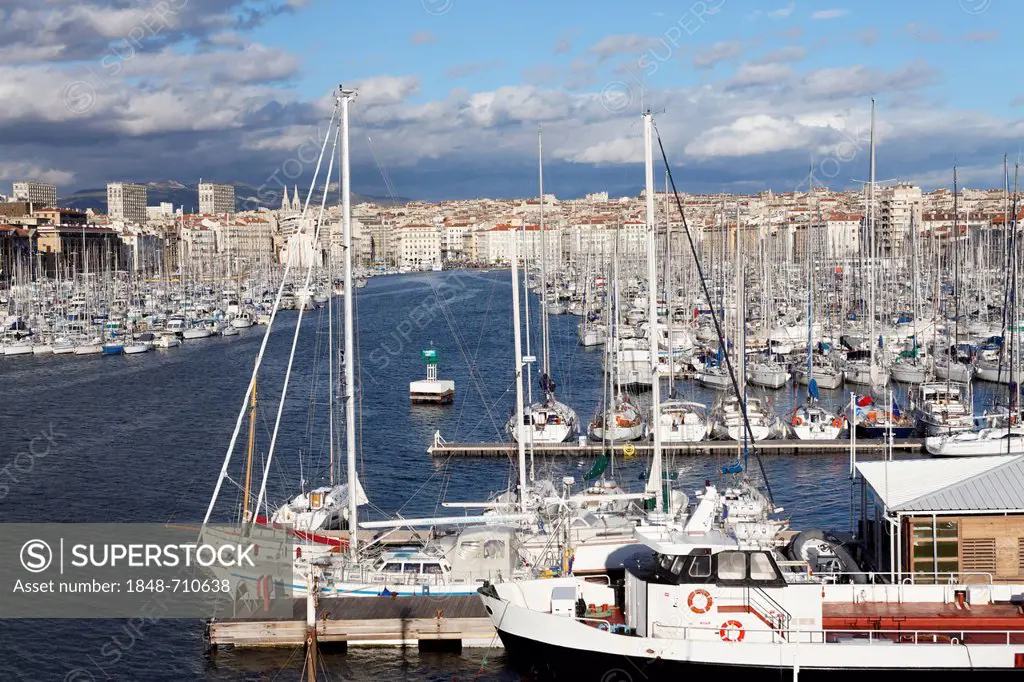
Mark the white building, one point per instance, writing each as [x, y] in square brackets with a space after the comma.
[126, 202]
[843, 230]
[494, 244]
[418, 245]
[216, 199]
[39, 194]
[899, 206]
[162, 212]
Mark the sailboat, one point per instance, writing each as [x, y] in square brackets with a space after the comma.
[547, 421]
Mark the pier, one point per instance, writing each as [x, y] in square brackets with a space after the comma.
[441, 448]
[448, 622]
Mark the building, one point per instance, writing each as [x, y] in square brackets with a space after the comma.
[15, 209]
[245, 242]
[419, 245]
[164, 211]
[126, 202]
[925, 520]
[68, 217]
[216, 199]
[899, 207]
[39, 194]
[143, 252]
[77, 249]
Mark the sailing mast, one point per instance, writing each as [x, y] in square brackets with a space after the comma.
[518, 347]
[873, 259]
[346, 97]
[543, 264]
[246, 513]
[652, 299]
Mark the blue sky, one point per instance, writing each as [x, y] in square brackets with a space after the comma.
[746, 94]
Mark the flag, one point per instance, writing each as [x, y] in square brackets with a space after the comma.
[812, 389]
[895, 409]
[864, 401]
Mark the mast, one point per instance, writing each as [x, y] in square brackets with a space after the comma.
[543, 259]
[652, 296]
[246, 514]
[518, 347]
[346, 97]
[873, 259]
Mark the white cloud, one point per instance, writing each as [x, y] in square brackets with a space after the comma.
[749, 75]
[826, 14]
[710, 56]
[782, 12]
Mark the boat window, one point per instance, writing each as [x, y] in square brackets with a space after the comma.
[412, 568]
[677, 565]
[761, 567]
[701, 567]
[393, 567]
[666, 562]
[732, 566]
[494, 549]
[432, 569]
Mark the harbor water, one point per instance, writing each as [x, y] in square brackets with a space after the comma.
[141, 439]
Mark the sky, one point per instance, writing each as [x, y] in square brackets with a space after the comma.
[747, 95]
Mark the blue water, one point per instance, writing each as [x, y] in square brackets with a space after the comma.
[141, 439]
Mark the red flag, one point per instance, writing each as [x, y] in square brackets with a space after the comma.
[864, 401]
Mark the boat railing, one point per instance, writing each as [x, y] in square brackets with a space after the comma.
[762, 605]
[661, 630]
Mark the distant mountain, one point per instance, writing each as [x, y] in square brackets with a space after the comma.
[246, 197]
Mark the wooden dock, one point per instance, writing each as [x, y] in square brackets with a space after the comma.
[445, 621]
[441, 448]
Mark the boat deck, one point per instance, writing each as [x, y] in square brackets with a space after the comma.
[926, 617]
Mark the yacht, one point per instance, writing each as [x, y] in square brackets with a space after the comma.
[942, 408]
[728, 423]
[1006, 440]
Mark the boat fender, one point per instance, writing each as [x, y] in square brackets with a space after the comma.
[728, 628]
[700, 601]
[837, 423]
[797, 421]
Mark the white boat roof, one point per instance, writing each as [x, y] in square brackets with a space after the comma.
[948, 484]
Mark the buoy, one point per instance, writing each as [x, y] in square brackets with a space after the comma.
[700, 601]
[728, 627]
[837, 423]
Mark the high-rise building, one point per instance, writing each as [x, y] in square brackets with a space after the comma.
[216, 199]
[39, 194]
[126, 202]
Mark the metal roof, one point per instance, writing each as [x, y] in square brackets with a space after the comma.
[948, 485]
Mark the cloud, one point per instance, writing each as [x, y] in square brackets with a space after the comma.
[922, 33]
[751, 75]
[564, 44]
[792, 53]
[709, 57]
[861, 81]
[782, 12]
[423, 38]
[616, 45]
[827, 14]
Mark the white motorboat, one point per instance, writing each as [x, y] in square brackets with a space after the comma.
[167, 340]
[243, 321]
[767, 373]
[942, 408]
[1007, 440]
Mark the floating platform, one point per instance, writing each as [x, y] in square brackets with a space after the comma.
[449, 622]
[440, 448]
[436, 391]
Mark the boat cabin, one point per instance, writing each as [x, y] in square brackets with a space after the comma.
[937, 520]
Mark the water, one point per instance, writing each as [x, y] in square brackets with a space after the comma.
[141, 439]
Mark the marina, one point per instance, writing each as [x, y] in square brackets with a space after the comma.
[506, 366]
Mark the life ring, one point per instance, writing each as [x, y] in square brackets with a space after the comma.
[629, 449]
[730, 626]
[697, 607]
[837, 423]
[797, 421]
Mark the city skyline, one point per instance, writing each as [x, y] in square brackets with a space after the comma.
[747, 96]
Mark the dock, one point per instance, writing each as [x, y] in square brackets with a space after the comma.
[448, 622]
[442, 448]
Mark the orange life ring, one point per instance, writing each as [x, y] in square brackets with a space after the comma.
[727, 628]
[797, 421]
[837, 423]
[708, 601]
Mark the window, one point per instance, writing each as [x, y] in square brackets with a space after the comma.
[393, 567]
[732, 566]
[677, 565]
[934, 549]
[432, 569]
[494, 549]
[761, 567]
[701, 567]
[412, 568]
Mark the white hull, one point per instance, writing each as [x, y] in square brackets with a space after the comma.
[22, 349]
[196, 333]
[767, 377]
[42, 349]
[909, 374]
[954, 371]
[985, 442]
[89, 349]
[136, 348]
